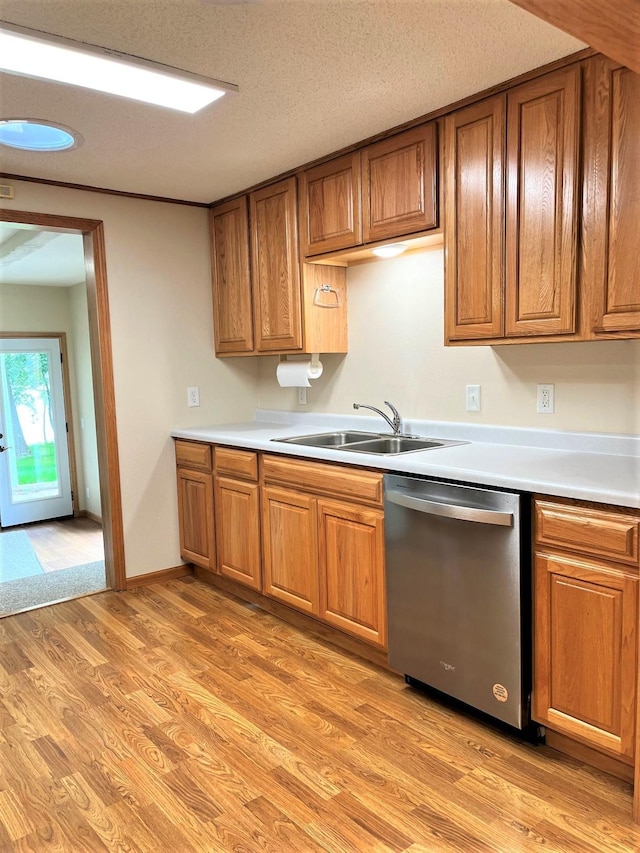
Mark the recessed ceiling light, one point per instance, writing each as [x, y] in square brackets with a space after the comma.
[31, 53]
[390, 251]
[32, 134]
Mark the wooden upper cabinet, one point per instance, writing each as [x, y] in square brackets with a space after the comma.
[611, 268]
[330, 206]
[399, 177]
[543, 125]
[474, 225]
[232, 308]
[276, 267]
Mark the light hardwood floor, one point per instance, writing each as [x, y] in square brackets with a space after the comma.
[60, 544]
[175, 718]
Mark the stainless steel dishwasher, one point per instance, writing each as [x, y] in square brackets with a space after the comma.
[457, 593]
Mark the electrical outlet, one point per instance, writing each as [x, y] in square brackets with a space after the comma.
[302, 396]
[546, 399]
[473, 398]
[193, 396]
[87, 492]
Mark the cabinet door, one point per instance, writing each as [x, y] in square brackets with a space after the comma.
[585, 653]
[276, 268]
[543, 123]
[474, 228]
[352, 583]
[330, 205]
[195, 517]
[232, 304]
[290, 548]
[238, 531]
[611, 270]
[400, 184]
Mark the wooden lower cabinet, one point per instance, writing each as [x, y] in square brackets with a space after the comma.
[323, 543]
[195, 514]
[290, 548]
[352, 580]
[586, 625]
[237, 506]
[308, 534]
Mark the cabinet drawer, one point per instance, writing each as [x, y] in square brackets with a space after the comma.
[237, 463]
[192, 454]
[601, 533]
[327, 480]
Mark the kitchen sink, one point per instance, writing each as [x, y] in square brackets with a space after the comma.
[397, 444]
[367, 442]
[329, 439]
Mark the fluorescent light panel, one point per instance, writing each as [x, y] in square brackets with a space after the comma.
[29, 53]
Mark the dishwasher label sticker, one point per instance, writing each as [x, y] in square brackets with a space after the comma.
[500, 692]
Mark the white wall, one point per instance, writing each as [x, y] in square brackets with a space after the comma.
[162, 341]
[396, 353]
[31, 308]
[84, 414]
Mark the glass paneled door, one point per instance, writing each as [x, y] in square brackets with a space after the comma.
[35, 481]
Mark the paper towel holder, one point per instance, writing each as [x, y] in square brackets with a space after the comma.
[315, 360]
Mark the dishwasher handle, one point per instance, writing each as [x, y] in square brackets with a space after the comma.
[462, 513]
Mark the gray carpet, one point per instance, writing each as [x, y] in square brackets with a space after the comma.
[17, 557]
[49, 587]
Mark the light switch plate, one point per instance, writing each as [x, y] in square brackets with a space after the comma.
[473, 398]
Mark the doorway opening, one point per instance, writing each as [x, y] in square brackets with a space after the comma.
[60, 506]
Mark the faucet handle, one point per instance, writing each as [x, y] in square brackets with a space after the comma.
[397, 420]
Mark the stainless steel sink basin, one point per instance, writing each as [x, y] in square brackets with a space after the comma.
[329, 439]
[397, 444]
[368, 442]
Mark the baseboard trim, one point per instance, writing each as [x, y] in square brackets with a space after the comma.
[320, 631]
[85, 513]
[614, 766]
[162, 575]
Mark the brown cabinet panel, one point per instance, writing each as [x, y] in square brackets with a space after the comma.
[605, 534]
[192, 454]
[400, 184]
[474, 227]
[543, 123]
[232, 303]
[195, 517]
[611, 268]
[352, 581]
[324, 479]
[330, 206]
[237, 463]
[585, 652]
[290, 548]
[238, 531]
[275, 267]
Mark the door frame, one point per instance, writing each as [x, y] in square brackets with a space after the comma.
[68, 407]
[92, 231]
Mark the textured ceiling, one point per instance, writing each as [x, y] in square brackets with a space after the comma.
[314, 76]
[29, 256]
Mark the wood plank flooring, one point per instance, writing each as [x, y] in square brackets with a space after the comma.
[175, 718]
[60, 544]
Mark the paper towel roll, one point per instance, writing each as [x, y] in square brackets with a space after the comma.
[296, 374]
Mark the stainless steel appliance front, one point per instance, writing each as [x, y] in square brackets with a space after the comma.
[454, 590]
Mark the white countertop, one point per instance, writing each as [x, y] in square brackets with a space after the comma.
[589, 466]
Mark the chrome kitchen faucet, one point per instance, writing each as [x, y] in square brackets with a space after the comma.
[395, 424]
